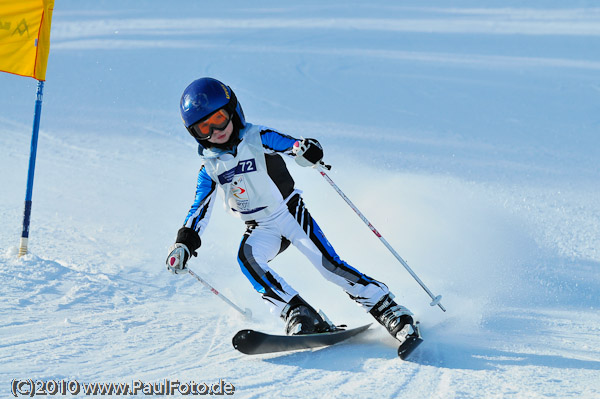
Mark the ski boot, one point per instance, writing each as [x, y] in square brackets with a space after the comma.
[301, 318]
[395, 318]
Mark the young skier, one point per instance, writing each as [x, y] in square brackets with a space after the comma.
[243, 161]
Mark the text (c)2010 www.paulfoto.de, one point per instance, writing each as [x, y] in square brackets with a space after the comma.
[31, 387]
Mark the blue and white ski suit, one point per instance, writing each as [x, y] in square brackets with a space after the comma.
[257, 187]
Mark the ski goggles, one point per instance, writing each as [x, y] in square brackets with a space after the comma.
[204, 129]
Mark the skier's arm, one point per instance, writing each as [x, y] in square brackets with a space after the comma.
[188, 237]
[273, 141]
[199, 214]
[306, 152]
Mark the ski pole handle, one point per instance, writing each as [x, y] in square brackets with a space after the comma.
[246, 312]
[436, 300]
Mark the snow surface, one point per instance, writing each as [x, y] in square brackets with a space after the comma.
[466, 132]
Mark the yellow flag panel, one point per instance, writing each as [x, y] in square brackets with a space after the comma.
[25, 36]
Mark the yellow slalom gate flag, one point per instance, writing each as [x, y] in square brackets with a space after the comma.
[25, 36]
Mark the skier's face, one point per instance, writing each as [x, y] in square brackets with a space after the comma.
[222, 136]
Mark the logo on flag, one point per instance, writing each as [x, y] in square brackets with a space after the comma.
[25, 37]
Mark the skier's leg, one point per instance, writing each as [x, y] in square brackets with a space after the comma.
[371, 294]
[305, 234]
[259, 245]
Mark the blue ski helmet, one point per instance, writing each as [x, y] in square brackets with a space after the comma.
[205, 96]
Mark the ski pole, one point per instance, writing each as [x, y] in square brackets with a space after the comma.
[436, 300]
[246, 312]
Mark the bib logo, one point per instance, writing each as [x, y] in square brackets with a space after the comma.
[238, 188]
[239, 198]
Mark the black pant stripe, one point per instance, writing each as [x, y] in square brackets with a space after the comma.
[306, 224]
[254, 269]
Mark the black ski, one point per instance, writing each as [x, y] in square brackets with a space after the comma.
[253, 342]
[411, 343]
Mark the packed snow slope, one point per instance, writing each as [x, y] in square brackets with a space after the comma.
[466, 133]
